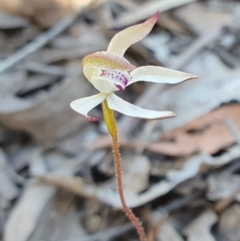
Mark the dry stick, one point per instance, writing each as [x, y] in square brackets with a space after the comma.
[112, 129]
[38, 43]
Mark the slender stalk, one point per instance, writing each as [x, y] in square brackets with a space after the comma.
[112, 128]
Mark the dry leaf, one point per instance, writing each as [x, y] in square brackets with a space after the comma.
[56, 169]
[60, 220]
[222, 186]
[207, 134]
[47, 119]
[136, 171]
[75, 185]
[200, 19]
[168, 232]
[229, 224]
[24, 216]
[108, 194]
[200, 228]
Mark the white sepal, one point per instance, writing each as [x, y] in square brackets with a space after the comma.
[84, 105]
[120, 105]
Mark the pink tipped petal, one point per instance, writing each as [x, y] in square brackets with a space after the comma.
[157, 74]
[84, 105]
[105, 60]
[120, 105]
[124, 39]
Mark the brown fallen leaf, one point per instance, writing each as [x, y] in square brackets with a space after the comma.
[207, 134]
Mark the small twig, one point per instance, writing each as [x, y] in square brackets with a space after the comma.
[38, 43]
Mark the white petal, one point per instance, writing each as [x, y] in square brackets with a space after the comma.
[120, 105]
[157, 74]
[84, 105]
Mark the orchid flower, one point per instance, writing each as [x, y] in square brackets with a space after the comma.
[108, 71]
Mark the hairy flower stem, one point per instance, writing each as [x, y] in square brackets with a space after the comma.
[112, 128]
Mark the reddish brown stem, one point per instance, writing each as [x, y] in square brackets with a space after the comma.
[112, 128]
[126, 209]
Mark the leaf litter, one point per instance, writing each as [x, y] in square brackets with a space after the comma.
[181, 176]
